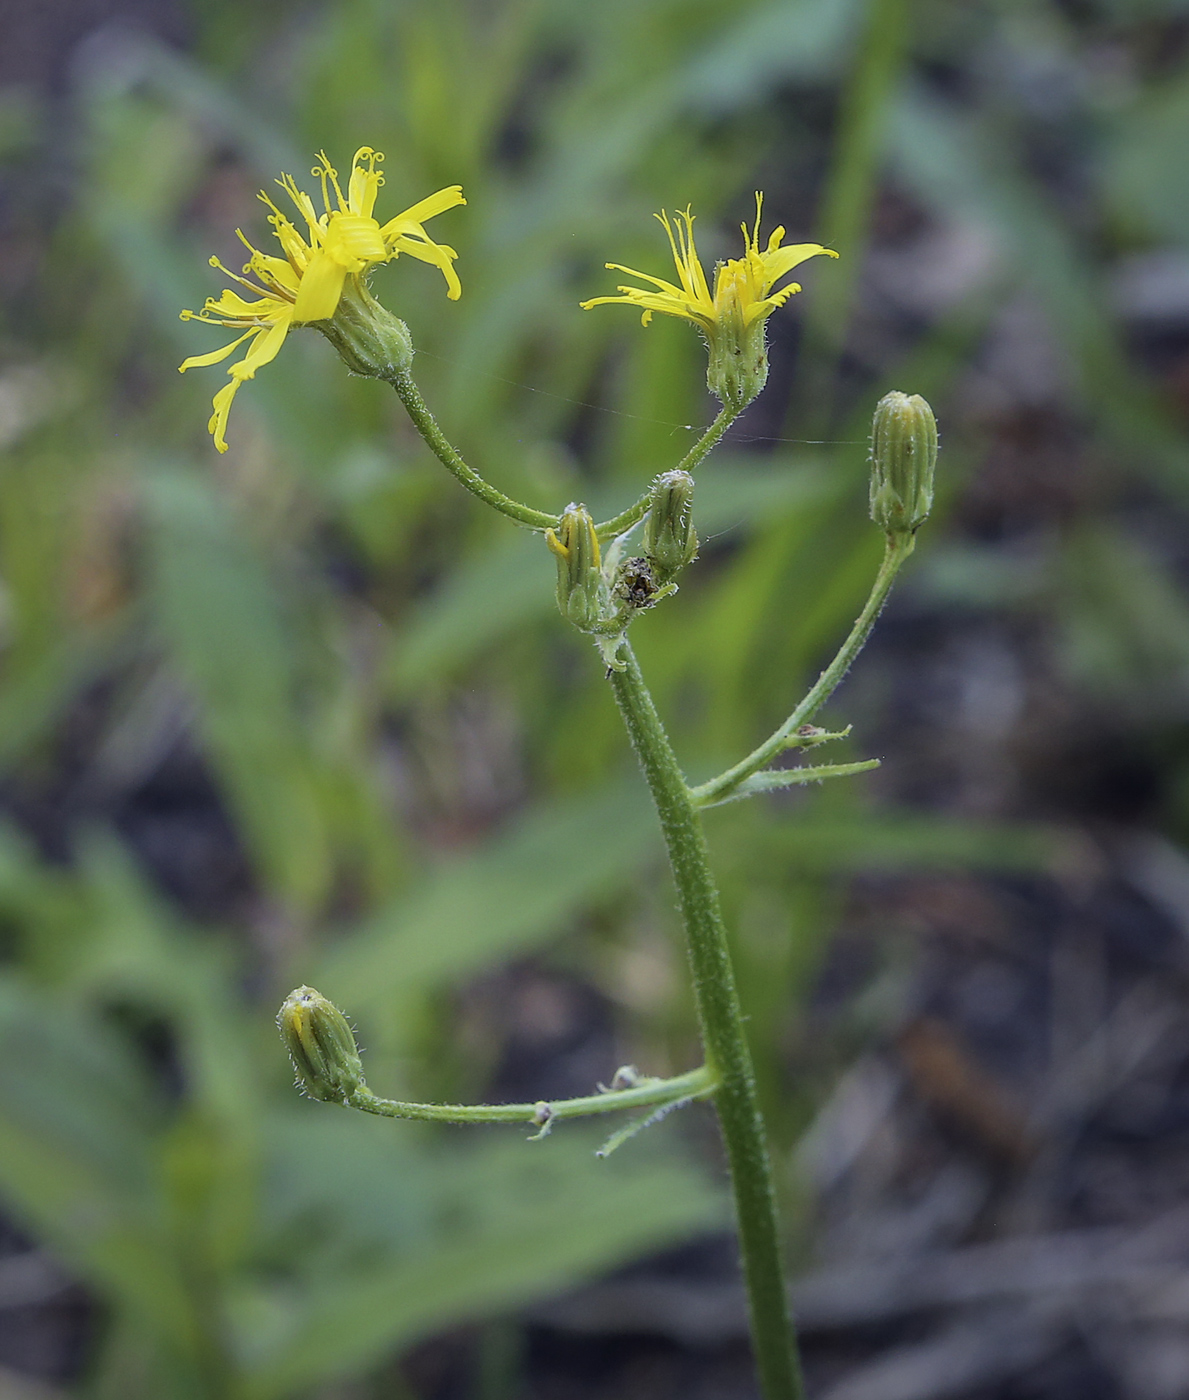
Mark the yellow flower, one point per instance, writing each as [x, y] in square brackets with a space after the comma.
[306, 285]
[742, 286]
[732, 318]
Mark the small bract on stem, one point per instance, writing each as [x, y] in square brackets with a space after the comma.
[321, 281]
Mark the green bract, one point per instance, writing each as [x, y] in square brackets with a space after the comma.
[670, 540]
[321, 1045]
[903, 459]
[579, 568]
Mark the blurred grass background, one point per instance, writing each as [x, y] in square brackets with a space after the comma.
[305, 713]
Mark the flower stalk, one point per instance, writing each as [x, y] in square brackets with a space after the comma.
[693, 459]
[326, 1060]
[437, 442]
[896, 551]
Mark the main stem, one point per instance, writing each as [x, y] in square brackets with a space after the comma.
[727, 1055]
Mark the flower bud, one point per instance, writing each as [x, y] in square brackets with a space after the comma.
[670, 541]
[738, 367]
[579, 568]
[903, 457]
[370, 340]
[321, 1045]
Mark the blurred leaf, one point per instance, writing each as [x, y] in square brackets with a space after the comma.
[1144, 161]
[909, 841]
[219, 615]
[76, 1131]
[521, 888]
[523, 1220]
[1127, 625]
[956, 164]
[770, 45]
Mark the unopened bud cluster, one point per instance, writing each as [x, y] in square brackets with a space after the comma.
[321, 1045]
[903, 459]
[601, 598]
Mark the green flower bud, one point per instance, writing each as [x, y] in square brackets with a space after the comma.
[579, 568]
[903, 457]
[670, 540]
[738, 367]
[321, 1045]
[370, 340]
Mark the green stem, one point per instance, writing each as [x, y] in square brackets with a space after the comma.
[727, 1053]
[443, 450]
[898, 549]
[692, 459]
[696, 1084]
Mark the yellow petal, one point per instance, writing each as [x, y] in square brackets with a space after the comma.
[265, 349]
[424, 209]
[217, 427]
[276, 270]
[365, 181]
[302, 201]
[770, 304]
[437, 254]
[649, 302]
[320, 290]
[232, 307]
[213, 358]
[782, 260]
[685, 256]
[354, 241]
[647, 277]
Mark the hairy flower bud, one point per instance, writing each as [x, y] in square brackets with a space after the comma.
[903, 458]
[670, 540]
[579, 568]
[738, 366]
[321, 1045]
[370, 340]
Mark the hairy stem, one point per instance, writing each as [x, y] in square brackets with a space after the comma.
[444, 451]
[696, 1084]
[727, 1054]
[898, 549]
[635, 513]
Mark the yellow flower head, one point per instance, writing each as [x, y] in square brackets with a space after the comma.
[307, 284]
[733, 317]
[742, 286]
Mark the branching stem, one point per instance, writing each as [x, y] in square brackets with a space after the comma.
[635, 513]
[727, 1076]
[897, 550]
